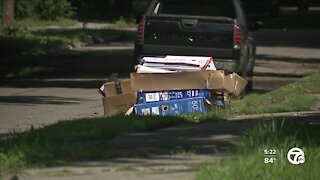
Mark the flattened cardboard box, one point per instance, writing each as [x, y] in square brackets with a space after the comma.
[157, 96]
[178, 106]
[215, 80]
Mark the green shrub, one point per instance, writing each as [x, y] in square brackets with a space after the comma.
[125, 22]
[54, 9]
[43, 9]
[26, 8]
[139, 6]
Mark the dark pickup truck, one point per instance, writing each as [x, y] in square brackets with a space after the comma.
[216, 28]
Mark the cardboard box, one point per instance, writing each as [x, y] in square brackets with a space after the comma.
[238, 84]
[214, 80]
[119, 103]
[117, 87]
[181, 106]
[119, 96]
[156, 96]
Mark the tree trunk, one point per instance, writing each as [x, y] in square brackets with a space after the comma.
[8, 13]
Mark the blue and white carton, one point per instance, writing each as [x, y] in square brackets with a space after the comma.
[157, 96]
[172, 107]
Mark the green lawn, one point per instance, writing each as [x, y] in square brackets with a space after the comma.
[293, 97]
[21, 42]
[32, 22]
[280, 135]
[62, 142]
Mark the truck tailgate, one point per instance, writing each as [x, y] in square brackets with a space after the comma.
[199, 32]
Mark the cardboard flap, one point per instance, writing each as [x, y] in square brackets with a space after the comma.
[239, 84]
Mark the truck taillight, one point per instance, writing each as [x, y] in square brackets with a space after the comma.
[140, 32]
[237, 36]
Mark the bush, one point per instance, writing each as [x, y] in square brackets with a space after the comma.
[43, 9]
[139, 6]
[54, 9]
[26, 8]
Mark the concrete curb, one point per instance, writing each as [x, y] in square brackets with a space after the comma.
[275, 115]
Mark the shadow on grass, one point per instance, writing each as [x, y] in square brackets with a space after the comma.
[90, 143]
[21, 42]
[43, 54]
[43, 70]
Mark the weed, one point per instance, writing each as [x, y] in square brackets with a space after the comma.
[185, 152]
[127, 168]
[125, 22]
[58, 173]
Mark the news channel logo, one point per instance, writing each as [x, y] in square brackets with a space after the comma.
[296, 156]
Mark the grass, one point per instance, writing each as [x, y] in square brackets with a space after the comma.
[66, 141]
[63, 141]
[28, 71]
[22, 42]
[125, 22]
[297, 96]
[58, 173]
[32, 22]
[281, 135]
[127, 168]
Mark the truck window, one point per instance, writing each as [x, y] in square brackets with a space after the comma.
[217, 8]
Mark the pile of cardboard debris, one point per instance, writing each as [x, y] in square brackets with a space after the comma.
[171, 85]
